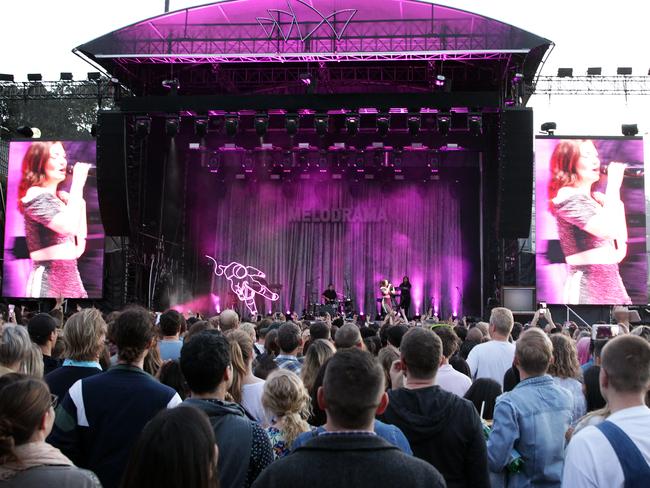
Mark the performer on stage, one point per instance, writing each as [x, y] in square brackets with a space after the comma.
[55, 221]
[329, 295]
[387, 292]
[405, 295]
[591, 226]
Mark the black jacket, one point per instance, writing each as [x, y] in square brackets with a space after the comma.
[349, 460]
[444, 430]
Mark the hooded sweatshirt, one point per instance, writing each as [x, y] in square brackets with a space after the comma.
[444, 430]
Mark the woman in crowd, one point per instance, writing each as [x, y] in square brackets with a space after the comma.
[591, 226]
[26, 419]
[582, 347]
[565, 370]
[287, 402]
[319, 352]
[33, 363]
[387, 356]
[55, 221]
[15, 346]
[483, 394]
[265, 362]
[176, 448]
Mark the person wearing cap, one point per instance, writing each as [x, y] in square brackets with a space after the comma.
[43, 332]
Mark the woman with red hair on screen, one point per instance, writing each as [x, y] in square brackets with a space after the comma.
[55, 221]
[591, 225]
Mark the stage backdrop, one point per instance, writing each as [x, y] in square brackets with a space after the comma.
[551, 267]
[306, 234]
[17, 264]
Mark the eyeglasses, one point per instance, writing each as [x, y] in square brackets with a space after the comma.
[54, 401]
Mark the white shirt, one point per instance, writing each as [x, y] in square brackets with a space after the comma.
[251, 400]
[491, 360]
[590, 460]
[453, 381]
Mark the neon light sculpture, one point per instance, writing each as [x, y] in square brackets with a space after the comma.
[243, 283]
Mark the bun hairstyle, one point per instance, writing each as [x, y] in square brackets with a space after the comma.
[286, 398]
[23, 402]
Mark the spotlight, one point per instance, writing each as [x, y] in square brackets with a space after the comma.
[93, 130]
[594, 71]
[201, 127]
[172, 124]
[34, 77]
[172, 85]
[66, 76]
[549, 128]
[6, 77]
[443, 121]
[5, 133]
[292, 124]
[305, 78]
[413, 123]
[565, 72]
[475, 124]
[383, 124]
[94, 76]
[26, 131]
[629, 129]
[517, 78]
[142, 126]
[440, 80]
[231, 124]
[352, 122]
[623, 71]
[321, 123]
[261, 124]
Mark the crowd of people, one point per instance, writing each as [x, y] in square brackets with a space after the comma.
[137, 399]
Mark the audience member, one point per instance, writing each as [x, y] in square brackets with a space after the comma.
[43, 332]
[493, 358]
[593, 396]
[441, 427]
[197, 327]
[228, 319]
[170, 374]
[319, 352]
[532, 419]
[15, 345]
[387, 356]
[176, 448]
[447, 377]
[245, 449]
[483, 394]
[473, 339]
[33, 362]
[348, 336]
[349, 453]
[290, 344]
[101, 416]
[582, 348]
[565, 370]
[152, 361]
[616, 452]
[170, 328]
[26, 460]
[395, 334]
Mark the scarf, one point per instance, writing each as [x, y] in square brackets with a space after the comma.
[32, 455]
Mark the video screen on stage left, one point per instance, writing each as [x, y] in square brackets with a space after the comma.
[54, 238]
[591, 239]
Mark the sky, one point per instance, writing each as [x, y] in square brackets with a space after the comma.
[586, 33]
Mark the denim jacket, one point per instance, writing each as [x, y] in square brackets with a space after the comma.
[532, 419]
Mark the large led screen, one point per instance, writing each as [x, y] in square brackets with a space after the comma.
[54, 238]
[590, 221]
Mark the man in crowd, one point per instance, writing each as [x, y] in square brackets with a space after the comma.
[43, 332]
[447, 377]
[493, 358]
[170, 327]
[347, 336]
[442, 428]
[101, 417]
[349, 453]
[532, 418]
[290, 343]
[616, 452]
[244, 447]
[228, 319]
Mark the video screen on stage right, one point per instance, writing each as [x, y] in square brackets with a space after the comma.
[590, 207]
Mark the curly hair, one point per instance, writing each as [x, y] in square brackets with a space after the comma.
[287, 399]
[565, 362]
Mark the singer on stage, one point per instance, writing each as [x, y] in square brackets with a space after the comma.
[55, 221]
[387, 292]
[405, 295]
[591, 225]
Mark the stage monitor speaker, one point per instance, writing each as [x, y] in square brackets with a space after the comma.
[515, 189]
[111, 173]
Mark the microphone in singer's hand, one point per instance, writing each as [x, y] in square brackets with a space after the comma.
[631, 170]
[92, 171]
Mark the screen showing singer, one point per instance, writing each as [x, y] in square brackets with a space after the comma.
[590, 221]
[53, 233]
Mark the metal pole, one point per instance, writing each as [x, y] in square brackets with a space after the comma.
[166, 6]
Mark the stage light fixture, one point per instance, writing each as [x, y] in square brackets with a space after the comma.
[321, 124]
[306, 79]
[5, 133]
[565, 72]
[201, 127]
[517, 78]
[352, 122]
[595, 71]
[34, 77]
[629, 130]
[66, 76]
[624, 70]
[173, 85]
[413, 123]
[142, 126]
[94, 76]
[475, 124]
[261, 124]
[231, 124]
[549, 128]
[6, 77]
[292, 124]
[172, 125]
[383, 124]
[440, 80]
[26, 131]
[443, 122]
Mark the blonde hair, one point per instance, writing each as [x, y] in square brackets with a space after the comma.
[33, 365]
[387, 356]
[319, 351]
[82, 335]
[241, 350]
[565, 358]
[286, 398]
[502, 320]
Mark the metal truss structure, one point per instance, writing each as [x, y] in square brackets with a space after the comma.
[60, 90]
[591, 85]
